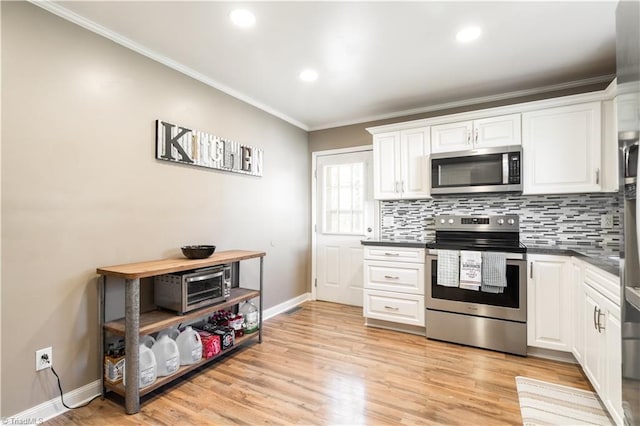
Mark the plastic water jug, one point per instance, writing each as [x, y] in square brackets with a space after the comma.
[172, 332]
[190, 346]
[167, 355]
[147, 367]
[147, 340]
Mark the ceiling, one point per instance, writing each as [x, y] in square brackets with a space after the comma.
[374, 59]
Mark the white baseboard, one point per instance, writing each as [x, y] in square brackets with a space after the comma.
[285, 306]
[551, 354]
[52, 408]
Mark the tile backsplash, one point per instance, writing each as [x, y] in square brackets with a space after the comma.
[567, 219]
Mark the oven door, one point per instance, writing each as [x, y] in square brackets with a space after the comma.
[510, 305]
[203, 288]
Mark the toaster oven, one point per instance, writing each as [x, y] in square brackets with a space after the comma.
[190, 290]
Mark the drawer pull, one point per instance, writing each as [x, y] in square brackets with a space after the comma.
[391, 254]
[391, 277]
[600, 326]
[391, 308]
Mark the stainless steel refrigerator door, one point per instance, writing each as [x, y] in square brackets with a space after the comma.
[628, 105]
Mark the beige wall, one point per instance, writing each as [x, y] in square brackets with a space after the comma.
[81, 189]
[357, 135]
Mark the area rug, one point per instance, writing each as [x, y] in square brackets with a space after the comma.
[543, 403]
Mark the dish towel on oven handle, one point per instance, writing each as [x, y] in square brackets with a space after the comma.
[494, 272]
[470, 270]
[448, 268]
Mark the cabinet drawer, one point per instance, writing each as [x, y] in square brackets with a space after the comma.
[394, 276]
[394, 307]
[394, 254]
[604, 282]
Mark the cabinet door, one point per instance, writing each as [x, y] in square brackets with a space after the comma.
[386, 166]
[593, 340]
[577, 272]
[414, 160]
[549, 303]
[451, 137]
[497, 131]
[612, 396]
[562, 149]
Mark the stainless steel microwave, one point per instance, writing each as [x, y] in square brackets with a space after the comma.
[480, 170]
[186, 291]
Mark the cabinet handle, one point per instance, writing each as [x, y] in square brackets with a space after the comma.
[600, 326]
[468, 138]
[598, 176]
[476, 137]
[595, 323]
[391, 308]
[391, 277]
[530, 269]
[401, 186]
[391, 254]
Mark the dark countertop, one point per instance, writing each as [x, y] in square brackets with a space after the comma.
[605, 259]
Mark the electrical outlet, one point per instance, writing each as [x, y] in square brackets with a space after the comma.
[606, 221]
[44, 358]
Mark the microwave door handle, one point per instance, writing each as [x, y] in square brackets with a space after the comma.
[505, 168]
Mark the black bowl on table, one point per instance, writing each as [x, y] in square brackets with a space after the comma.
[198, 252]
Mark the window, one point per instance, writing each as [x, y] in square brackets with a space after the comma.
[343, 209]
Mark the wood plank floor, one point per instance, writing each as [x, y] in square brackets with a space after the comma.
[321, 366]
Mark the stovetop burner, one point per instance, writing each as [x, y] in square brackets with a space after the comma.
[482, 233]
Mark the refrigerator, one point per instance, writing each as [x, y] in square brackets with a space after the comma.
[628, 123]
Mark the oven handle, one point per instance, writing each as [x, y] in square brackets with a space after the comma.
[205, 277]
[510, 256]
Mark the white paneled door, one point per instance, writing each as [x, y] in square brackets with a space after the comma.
[345, 216]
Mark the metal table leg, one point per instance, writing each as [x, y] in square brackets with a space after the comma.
[260, 316]
[131, 339]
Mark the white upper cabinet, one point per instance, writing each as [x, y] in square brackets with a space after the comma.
[482, 133]
[386, 166]
[401, 167]
[562, 149]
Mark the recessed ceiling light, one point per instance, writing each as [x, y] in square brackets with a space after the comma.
[468, 34]
[309, 75]
[242, 18]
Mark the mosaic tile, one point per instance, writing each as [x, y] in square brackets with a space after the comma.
[544, 219]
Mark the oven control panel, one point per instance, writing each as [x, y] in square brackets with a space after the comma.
[494, 223]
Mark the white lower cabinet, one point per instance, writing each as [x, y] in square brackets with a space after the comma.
[394, 307]
[393, 289]
[573, 306]
[577, 274]
[549, 301]
[601, 358]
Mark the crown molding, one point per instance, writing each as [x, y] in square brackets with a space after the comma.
[472, 101]
[88, 24]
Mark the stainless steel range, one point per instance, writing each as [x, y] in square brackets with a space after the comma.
[478, 317]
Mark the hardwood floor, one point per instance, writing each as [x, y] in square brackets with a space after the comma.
[321, 365]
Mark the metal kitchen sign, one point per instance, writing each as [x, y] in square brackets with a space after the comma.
[182, 145]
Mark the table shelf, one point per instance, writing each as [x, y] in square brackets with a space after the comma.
[136, 324]
[156, 320]
[161, 381]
